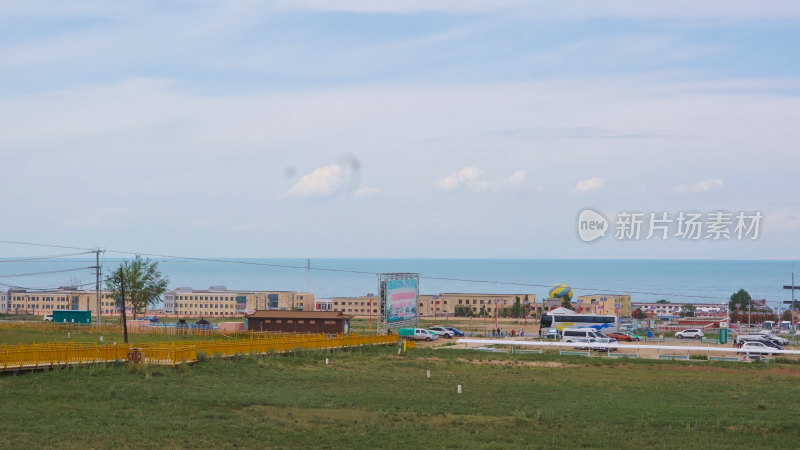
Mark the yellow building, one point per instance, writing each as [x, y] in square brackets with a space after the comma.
[43, 302]
[619, 305]
[445, 304]
[357, 306]
[219, 301]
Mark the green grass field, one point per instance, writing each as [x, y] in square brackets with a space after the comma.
[374, 398]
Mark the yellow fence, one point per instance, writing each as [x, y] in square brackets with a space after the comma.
[34, 356]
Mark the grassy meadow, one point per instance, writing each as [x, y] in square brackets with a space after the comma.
[374, 398]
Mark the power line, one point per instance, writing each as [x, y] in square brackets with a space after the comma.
[48, 272]
[39, 258]
[326, 269]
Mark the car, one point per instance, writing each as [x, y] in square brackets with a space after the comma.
[48, 317]
[417, 334]
[755, 349]
[587, 335]
[623, 337]
[442, 331]
[153, 319]
[456, 331]
[553, 334]
[776, 339]
[690, 333]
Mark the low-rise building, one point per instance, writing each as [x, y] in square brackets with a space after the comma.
[448, 304]
[675, 309]
[20, 301]
[363, 306]
[328, 322]
[220, 301]
[618, 305]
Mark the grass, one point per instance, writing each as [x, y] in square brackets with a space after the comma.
[374, 398]
[31, 336]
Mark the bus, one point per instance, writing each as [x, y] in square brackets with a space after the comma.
[600, 322]
[767, 325]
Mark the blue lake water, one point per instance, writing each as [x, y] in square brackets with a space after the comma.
[698, 281]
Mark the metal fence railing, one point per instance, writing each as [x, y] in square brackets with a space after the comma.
[57, 354]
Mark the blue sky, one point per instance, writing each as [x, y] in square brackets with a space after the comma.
[395, 129]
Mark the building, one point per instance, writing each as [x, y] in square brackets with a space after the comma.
[618, 305]
[446, 304]
[363, 306]
[219, 301]
[675, 309]
[20, 301]
[4, 304]
[287, 321]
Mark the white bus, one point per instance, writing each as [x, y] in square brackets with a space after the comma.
[602, 323]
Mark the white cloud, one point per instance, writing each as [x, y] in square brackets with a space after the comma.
[592, 184]
[783, 219]
[473, 179]
[700, 186]
[322, 182]
[366, 191]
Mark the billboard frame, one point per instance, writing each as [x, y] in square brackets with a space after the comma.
[383, 323]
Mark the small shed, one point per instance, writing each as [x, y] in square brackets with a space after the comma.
[72, 316]
[328, 322]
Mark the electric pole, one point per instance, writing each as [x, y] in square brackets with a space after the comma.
[122, 294]
[97, 287]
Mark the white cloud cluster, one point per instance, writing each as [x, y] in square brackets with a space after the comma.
[474, 179]
[322, 182]
[592, 184]
[700, 186]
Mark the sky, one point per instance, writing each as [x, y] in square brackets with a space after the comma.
[385, 129]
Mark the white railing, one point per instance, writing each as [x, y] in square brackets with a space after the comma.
[618, 346]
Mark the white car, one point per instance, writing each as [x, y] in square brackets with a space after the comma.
[48, 317]
[755, 349]
[690, 333]
[442, 331]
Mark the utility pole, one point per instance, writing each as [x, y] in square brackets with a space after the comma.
[122, 294]
[97, 287]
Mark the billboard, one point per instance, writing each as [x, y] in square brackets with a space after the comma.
[401, 300]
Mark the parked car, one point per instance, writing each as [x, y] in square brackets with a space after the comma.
[442, 331]
[776, 339]
[456, 331]
[48, 317]
[553, 334]
[153, 319]
[755, 349]
[623, 337]
[694, 333]
[586, 335]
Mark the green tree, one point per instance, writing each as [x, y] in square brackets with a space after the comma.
[639, 314]
[517, 311]
[741, 298]
[566, 303]
[689, 310]
[144, 284]
[787, 315]
[663, 301]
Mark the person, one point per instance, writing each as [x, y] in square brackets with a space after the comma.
[522, 332]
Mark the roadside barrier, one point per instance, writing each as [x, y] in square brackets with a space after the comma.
[56, 354]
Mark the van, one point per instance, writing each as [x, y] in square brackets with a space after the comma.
[48, 317]
[587, 335]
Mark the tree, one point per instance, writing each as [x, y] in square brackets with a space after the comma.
[664, 301]
[517, 310]
[566, 303]
[688, 310]
[639, 314]
[144, 284]
[741, 298]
